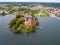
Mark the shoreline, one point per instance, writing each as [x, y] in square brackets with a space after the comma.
[52, 15]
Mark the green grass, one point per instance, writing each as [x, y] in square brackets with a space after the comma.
[43, 14]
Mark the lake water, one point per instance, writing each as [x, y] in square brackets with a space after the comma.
[49, 34]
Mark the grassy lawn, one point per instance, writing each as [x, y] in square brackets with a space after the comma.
[43, 14]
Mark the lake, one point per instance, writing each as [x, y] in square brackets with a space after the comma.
[49, 34]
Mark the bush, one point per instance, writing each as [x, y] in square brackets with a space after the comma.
[16, 31]
[3, 13]
[29, 28]
[18, 28]
[12, 22]
[15, 26]
[21, 26]
[18, 21]
[37, 23]
[18, 16]
[21, 19]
